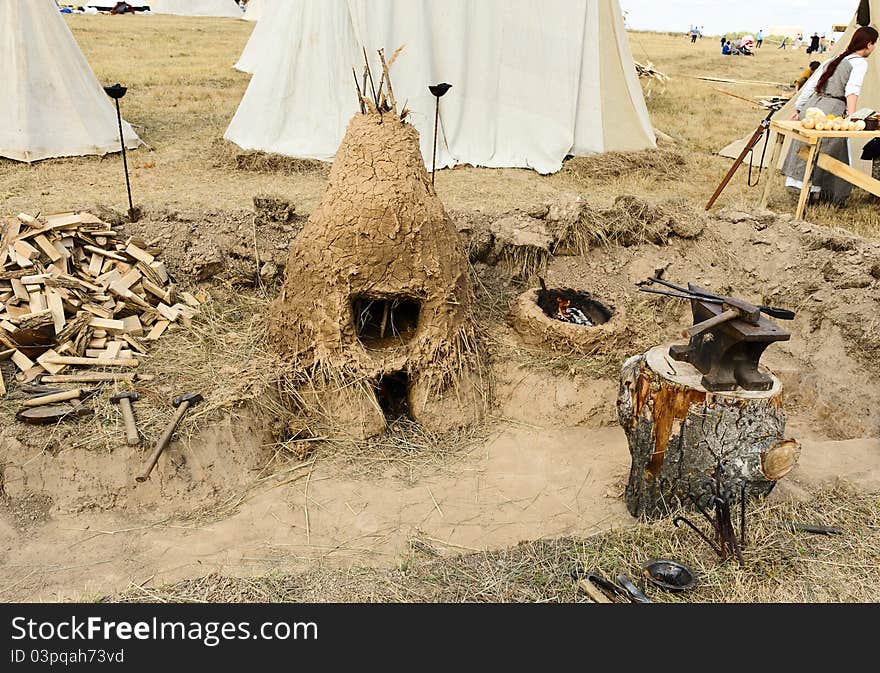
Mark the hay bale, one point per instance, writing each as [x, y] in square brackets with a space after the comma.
[522, 244]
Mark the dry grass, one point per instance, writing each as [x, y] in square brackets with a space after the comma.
[229, 155]
[781, 566]
[660, 164]
[183, 92]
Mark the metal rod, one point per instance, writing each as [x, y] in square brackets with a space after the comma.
[436, 126]
[124, 159]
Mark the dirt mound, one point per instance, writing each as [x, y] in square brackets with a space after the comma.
[241, 247]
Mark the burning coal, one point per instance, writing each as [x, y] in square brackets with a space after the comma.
[571, 306]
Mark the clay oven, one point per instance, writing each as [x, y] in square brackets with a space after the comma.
[376, 306]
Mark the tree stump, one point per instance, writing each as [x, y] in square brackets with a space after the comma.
[679, 433]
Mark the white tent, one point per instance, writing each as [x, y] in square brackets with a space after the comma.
[254, 10]
[869, 97]
[218, 8]
[531, 83]
[51, 103]
[260, 44]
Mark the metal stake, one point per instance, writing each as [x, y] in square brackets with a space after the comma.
[438, 90]
[116, 92]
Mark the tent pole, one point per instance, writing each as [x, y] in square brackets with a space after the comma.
[436, 123]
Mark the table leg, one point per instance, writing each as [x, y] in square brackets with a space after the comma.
[771, 169]
[808, 182]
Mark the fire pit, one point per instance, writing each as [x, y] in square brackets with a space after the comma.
[571, 306]
[565, 319]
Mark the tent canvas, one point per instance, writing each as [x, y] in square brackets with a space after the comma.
[869, 97]
[254, 10]
[260, 45]
[216, 8]
[51, 103]
[530, 84]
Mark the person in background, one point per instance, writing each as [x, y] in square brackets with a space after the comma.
[834, 88]
[783, 43]
[694, 33]
[823, 45]
[806, 74]
[760, 38]
[814, 44]
[723, 41]
[725, 49]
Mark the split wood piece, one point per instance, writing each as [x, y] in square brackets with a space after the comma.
[53, 399]
[167, 312]
[136, 345]
[22, 361]
[56, 307]
[38, 302]
[109, 325]
[47, 247]
[676, 431]
[50, 367]
[104, 253]
[95, 265]
[160, 270]
[158, 329]
[26, 250]
[140, 255]
[93, 362]
[96, 377]
[2, 384]
[19, 290]
[132, 325]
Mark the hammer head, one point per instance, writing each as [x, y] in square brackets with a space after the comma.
[192, 398]
[128, 394]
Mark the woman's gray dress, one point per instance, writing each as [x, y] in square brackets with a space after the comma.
[832, 101]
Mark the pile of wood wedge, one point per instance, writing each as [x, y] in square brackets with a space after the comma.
[74, 293]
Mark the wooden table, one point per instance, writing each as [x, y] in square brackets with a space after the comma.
[814, 156]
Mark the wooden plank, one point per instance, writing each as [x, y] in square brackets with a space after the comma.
[63, 220]
[46, 246]
[794, 127]
[130, 278]
[140, 255]
[104, 253]
[93, 362]
[98, 311]
[30, 374]
[158, 329]
[35, 279]
[848, 173]
[100, 344]
[2, 384]
[26, 250]
[107, 324]
[56, 306]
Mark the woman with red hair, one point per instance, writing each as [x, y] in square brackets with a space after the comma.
[834, 88]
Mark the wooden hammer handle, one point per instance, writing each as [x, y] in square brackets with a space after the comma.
[700, 327]
[163, 442]
[51, 399]
[131, 433]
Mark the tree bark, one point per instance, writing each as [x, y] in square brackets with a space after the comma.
[679, 433]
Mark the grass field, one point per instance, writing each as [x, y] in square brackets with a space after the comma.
[183, 93]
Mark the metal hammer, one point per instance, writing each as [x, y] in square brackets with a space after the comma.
[182, 402]
[124, 401]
